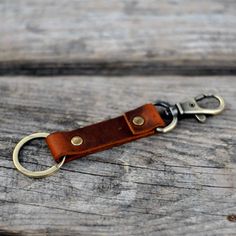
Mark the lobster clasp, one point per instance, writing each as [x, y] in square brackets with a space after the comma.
[192, 107]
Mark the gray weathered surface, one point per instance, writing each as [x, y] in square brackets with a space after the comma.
[180, 183]
[178, 32]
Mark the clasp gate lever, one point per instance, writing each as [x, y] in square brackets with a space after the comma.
[190, 107]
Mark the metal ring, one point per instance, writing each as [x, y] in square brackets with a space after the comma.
[169, 127]
[33, 174]
[174, 121]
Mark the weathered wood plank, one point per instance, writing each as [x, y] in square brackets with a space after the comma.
[180, 183]
[163, 33]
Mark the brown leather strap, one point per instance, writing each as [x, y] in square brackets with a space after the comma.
[132, 125]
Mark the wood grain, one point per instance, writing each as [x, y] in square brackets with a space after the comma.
[180, 183]
[157, 34]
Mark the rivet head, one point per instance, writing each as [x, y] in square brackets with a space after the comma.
[77, 140]
[138, 120]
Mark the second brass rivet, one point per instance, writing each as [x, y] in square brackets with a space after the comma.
[77, 140]
[138, 120]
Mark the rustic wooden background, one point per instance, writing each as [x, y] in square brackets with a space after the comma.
[180, 183]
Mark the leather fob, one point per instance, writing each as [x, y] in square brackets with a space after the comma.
[132, 125]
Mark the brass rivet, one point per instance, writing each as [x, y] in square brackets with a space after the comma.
[77, 140]
[138, 120]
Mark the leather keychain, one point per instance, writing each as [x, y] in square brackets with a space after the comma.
[143, 121]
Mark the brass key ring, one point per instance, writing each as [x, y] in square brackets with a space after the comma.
[34, 174]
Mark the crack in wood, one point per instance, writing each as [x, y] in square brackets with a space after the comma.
[113, 69]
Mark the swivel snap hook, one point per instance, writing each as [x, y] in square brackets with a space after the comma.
[191, 107]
